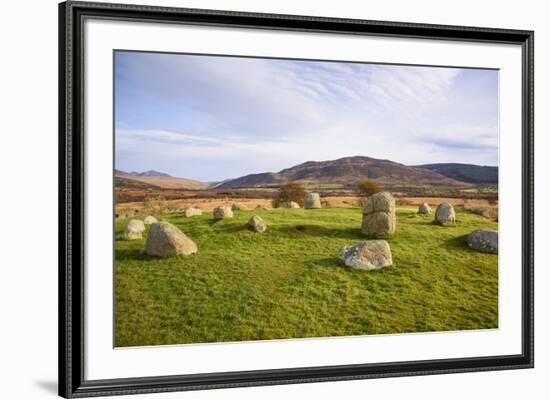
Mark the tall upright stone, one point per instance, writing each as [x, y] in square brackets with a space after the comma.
[445, 214]
[379, 215]
[312, 201]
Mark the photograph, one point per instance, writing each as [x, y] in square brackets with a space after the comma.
[265, 198]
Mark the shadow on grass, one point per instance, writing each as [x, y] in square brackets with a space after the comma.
[230, 228]
[456, 242]
[131, 254]
[331, 262]
[321, 231]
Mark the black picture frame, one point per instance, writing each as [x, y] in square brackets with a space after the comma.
[72, 383]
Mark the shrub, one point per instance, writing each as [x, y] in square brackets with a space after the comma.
[289, 192]
[368, 187]
[488, 212]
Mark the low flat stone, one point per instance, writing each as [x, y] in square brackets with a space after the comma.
[191, 211]
[257, 224]
[165, 239]
[293, 205]
[367, 255]
[149, 219]
[238, 207]
[133, 230]
[484, 240]
[222, 212]
[424, 209]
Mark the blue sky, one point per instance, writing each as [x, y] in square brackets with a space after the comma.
[212, 118]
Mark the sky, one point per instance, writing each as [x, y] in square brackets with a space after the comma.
[212, 118]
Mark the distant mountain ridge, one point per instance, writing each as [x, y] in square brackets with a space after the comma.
[348, 170]
[345, 171]
[469, 173]
[146, 173]
[153, 178]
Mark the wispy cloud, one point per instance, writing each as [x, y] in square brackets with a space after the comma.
[217, 117]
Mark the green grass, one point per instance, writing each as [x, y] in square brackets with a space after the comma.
[323, 186]
[289, 283]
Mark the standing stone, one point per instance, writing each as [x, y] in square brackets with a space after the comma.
[379, 215]
[312, 201]
[188, 212]
[238, 207]
[133, 230]
[261, 206]
[424, 209]
[257, 223]
[367, 255]
[293, 205]
[165, 239]
[149, 219]
[222, 212]
[445, 214]
[484, 240]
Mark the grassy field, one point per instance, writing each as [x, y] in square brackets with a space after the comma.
[289, 283]
[322, 186]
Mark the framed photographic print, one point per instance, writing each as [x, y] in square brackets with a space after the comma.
[252, 199]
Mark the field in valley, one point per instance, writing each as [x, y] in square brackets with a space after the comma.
[289, 283]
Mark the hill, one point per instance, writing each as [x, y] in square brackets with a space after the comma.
[146, 173]
[347, 171]
[157, 180]
[153, 173]
[465, 172]
[124, 182]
